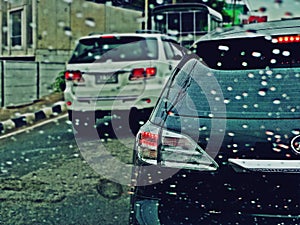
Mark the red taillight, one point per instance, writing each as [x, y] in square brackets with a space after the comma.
[137, 73]
[148, 143]
[149, 140]
[75, 75]
[140, 73]
[151, 71]
[171, 149]
[107, 36]
[288, 39]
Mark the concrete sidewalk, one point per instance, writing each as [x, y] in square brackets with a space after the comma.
[13, 117]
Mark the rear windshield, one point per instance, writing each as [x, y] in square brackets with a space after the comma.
[250, 53]
[116, 49]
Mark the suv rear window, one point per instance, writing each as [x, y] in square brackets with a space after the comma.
[116, 49]
[250, 53]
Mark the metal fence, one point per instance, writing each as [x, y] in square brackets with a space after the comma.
[24, 82]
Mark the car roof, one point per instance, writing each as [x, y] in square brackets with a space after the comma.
[127, 35]
[280, 27]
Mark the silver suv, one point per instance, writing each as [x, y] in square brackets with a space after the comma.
[118, 74]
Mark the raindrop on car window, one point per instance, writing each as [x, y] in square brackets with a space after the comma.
[238, 97]
[251, 75]
[68, 31]
[286, 53]
[90, 22]
[276, 101]
[226, 101]
[295, 132]
[256, 54]
[245, 94]
[269, 72]
[262, 92]
[245, 126]
[264, 83]
[223, 47]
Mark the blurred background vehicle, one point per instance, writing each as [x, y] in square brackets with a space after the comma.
[118, 74]
[185, 21]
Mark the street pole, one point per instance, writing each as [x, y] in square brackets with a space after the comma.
[146, 15]
[234, 11]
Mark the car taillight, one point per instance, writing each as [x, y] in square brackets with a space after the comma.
[172, 150]
[147, 144]
[75, 75]
[139, 73]
[288, 39]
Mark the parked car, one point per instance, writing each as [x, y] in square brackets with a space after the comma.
[118, 74]
[222, 143]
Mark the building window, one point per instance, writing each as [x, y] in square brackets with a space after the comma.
[16, 28]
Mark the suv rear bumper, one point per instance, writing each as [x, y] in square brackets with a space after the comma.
[219, 196]
[110, 103]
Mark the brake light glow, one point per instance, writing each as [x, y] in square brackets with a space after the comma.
[151, 71]
[75, 75]
[288, 39]
[107, 36]
[141, 73]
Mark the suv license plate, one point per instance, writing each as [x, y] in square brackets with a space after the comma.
[106, 79]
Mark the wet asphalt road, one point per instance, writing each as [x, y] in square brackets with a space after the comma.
[44, 179]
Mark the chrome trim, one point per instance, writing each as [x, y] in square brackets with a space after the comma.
[107, 98]
[269, 166]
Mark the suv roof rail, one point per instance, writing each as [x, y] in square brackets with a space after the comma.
[148, 32]
[293, 18]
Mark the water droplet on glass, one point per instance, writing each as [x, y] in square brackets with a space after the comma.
[286, 53]
[262, 92]
[251, 75]
[256, 54]
[90, 22]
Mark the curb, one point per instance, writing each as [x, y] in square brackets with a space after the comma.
[30, 118]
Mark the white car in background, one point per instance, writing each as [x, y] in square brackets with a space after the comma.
[118, 74]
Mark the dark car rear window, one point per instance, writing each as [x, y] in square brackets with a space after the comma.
[250, 53]
[116, 49]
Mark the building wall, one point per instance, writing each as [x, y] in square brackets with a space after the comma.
[50, 28]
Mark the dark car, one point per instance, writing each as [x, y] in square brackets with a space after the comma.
[222, 144]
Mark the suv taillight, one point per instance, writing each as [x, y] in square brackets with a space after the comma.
[172, 150]
[288, 39]
[75, 75]
[140, 73]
